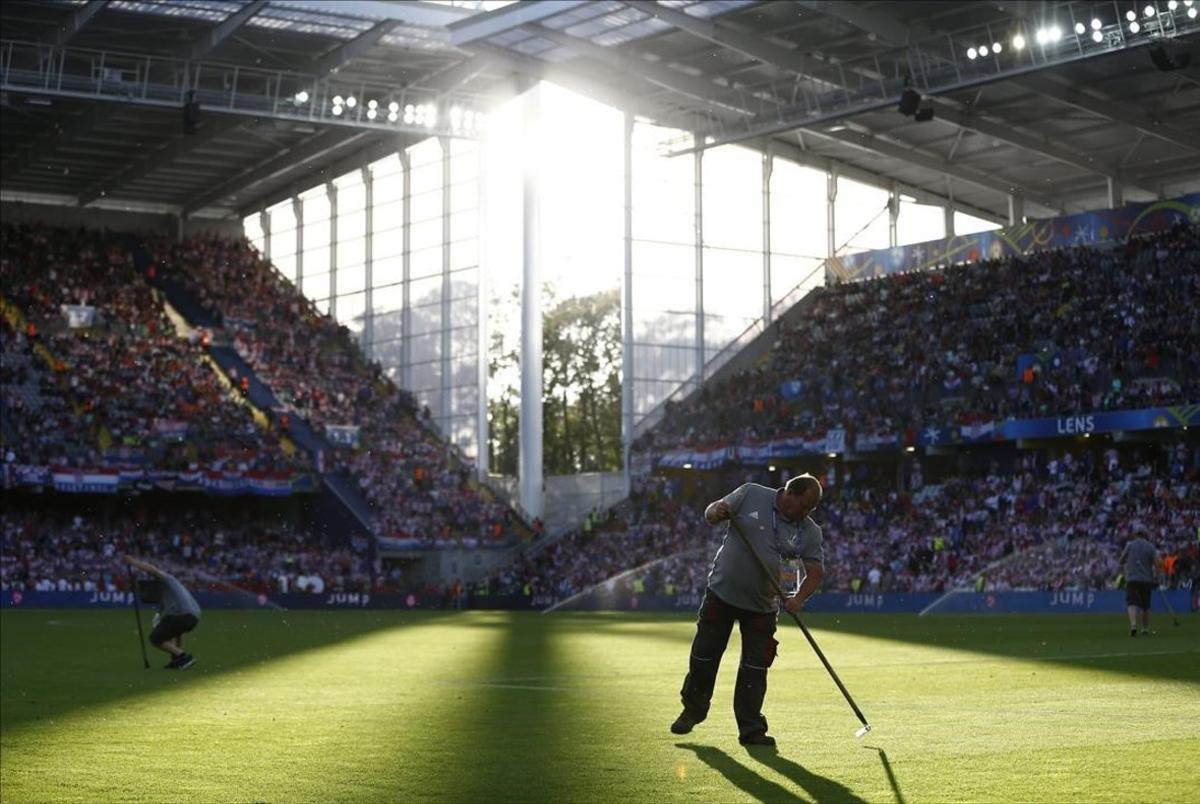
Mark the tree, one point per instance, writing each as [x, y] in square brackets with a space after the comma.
[581, 388]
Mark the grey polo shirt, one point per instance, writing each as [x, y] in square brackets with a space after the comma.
[736, 576]
[1138, 558]
[177, 599]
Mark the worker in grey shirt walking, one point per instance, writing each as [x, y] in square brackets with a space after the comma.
[777, 522]
[1139, 560]
[178, 614]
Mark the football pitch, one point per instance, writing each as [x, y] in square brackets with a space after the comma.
[288, 706]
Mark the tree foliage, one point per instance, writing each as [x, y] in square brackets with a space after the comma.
[581, 388]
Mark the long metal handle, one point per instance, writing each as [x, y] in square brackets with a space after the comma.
[816, 649]
[137, 615]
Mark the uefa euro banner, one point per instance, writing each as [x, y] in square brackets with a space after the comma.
[1080, 229]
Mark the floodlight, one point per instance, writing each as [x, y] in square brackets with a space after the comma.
[1134, 27]
[337, 111]
[351, 101]
[302, 96]
[1131, 15]
[371, 113]
[997, 47]
[1192, 13]
[1079, 28]
[1018, 42]
[971, 54]
[1055, 33]
[1097, 37]
[372, 104]
[337, 100]
[1173, 4]
[393, 117]
[393, 107]
[1148, 11]
[1096, 24]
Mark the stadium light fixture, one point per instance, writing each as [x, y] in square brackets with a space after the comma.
[338, 100]
[1055, 33]
[1134, 27]
[997, 47]
[1131, 15]
[393, 117]
[1097, 37]
[1018, 42]
[1173, 4]
[301, 97]
[1096, 24]
[393, 107]
[372, 104]
[337, 111]
[1192, 13]
[1148, 11]
[971, 53]
[372, 114]
[351, 102]
[1079, 28]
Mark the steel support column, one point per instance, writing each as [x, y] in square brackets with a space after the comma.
[698, 235]
[830, 213]
[298, 212]
[482, 346]
[627, 353]
[368, 336]
[1016, 209]
[331, 194]
[406, 379]
[444, 371]
[768, 166]
[530, 450]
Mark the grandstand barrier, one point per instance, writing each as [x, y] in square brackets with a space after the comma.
[111, 480]
[839, 441]
[1062, 602]
[1083, 228]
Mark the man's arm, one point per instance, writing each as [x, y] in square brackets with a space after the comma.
[813, 573]
[145, 566]
[717, 512]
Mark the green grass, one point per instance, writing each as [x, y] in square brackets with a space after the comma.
[486, 707]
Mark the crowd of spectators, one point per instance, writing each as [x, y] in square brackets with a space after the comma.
[1101, 329]
[421, 493]
[47, 549]
[122, 384]
[1049, 523]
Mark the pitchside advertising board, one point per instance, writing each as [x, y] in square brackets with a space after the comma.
[1089, 602]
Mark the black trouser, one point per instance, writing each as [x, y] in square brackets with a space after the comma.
[713, 626]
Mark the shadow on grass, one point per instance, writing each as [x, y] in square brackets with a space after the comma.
[891, 777]
[57, 662]
[1085, 641]
[750, 781]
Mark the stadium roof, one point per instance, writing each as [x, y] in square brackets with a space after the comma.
[92, 90]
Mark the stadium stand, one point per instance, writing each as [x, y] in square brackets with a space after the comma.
[940, 348]
[420, 492]
[139, 394]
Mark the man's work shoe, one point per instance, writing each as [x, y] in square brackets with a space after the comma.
[683, 724]
[186, 661]
[765, 740]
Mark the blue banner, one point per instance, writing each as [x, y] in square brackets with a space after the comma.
[1067, 602]
[109, 480]
[1053, 233]
[835, 441]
